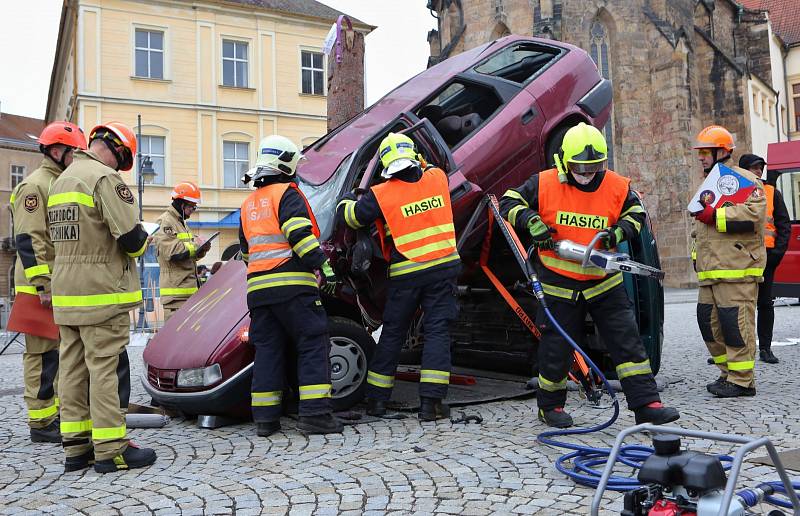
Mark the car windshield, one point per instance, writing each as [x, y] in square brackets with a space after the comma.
[323, 197]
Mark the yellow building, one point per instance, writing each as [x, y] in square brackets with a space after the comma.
[210, 78]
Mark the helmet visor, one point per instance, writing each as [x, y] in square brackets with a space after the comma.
[587, 168]
[589, 154]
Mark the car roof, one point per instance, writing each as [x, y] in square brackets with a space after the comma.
[324, 155]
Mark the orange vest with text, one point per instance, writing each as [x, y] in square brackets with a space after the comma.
[770, 231]
[578, 216]
[268, 248]
[419, 216]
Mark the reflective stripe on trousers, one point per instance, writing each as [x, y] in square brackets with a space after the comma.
[315, 392]
[380, 380]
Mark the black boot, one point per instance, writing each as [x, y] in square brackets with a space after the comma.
[267, 428]
[716, 383]
[767, 356]
[79, 462]
[376, 408]
[49, 434]
[133, 457]
[321, 424]
[431, 409]
[655, 413]
[556, 417]
[731, 390]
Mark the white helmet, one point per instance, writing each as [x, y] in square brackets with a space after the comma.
[276, 155]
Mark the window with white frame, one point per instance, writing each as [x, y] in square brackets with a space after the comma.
[312, 71]
[234, 63]
[236, 161]
[796, 105]
[149, 49]
[17, 173]
[154, 146]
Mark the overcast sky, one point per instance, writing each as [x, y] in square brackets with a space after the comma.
[396, 50]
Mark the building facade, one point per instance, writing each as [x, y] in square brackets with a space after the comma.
[676, 66]
[19, 156]
[209, 78]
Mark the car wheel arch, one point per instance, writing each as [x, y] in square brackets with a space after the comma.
[556, 134]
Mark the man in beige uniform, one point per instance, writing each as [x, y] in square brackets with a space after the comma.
[94, 227]
[731, 257]
[32, 273]
[177, 250]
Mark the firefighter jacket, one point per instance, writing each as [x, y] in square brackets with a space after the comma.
[732, 249]
[93, 219]
[177, 257]
[577, 212]
[34, 248]
[278, 236]
[778, 226]
[414, 221]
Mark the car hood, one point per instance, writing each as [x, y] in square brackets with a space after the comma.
[191, 336]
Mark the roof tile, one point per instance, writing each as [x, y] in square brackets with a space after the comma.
[21, 128]
[784, 15]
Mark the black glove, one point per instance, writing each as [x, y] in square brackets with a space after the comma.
[541, 233]
[614, 235]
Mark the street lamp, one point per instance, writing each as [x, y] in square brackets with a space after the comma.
[145, 174]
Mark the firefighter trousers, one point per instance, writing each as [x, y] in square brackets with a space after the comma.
[726, 317]
[613, 315]
[95, 387]
[279, 332]
[40, 370]
[439, 308]
[766, 311]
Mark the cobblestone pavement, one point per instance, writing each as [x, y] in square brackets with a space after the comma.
[398, 466]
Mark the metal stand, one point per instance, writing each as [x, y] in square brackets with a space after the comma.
[748, 444]
[212, 422]
[14, 338]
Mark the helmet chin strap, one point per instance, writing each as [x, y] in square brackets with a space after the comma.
[60, 162]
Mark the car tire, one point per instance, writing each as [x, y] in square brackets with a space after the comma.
[554, 144]
[351, 351]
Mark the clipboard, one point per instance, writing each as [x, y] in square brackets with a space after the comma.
[150, 227]
[207, 243]
[30, 317]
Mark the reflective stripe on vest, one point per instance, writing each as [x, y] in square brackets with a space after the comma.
[419, 216]
[119, 298]
[268, 247]
[70, 197]
[180, 291]
[770, 231]
[578, 216]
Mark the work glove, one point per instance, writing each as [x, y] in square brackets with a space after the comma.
[327, 279]
[614, 235]
[541, 233]
[706, 216]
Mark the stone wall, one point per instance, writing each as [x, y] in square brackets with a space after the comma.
[675, 69]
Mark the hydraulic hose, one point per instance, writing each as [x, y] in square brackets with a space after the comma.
[777, 487]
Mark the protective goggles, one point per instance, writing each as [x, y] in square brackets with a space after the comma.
[587, 168]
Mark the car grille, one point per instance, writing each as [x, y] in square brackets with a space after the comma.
[162, 379]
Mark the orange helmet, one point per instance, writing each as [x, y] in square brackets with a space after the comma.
[121, 136]
[187, 191]
[65, 133]
[714, 137]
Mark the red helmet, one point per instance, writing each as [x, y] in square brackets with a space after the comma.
[124, 137]
[187, 191]
[714, 137]
[65, 133]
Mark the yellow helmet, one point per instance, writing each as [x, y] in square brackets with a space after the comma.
[397, 153]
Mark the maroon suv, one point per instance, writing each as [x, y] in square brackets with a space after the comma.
[489, 117]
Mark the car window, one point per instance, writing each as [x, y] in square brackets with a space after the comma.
[789, 185]
[459, 108]
[518, 63]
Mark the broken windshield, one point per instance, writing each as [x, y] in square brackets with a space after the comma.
[322, 198]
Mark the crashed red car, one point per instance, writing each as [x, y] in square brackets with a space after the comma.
[489, 117]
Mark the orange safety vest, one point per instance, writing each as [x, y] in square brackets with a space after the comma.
[770, 231]
[420, 220]
[578, 216]
[268, 248]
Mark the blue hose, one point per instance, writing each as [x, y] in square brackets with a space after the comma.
[585, 459]
[777, 485]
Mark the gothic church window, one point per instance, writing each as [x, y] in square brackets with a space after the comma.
[598, 49]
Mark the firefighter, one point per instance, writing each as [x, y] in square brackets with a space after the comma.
[94, 225]
[32, 272]
[730, 261]
[414, 216]
[777, 231]
[278, 236]
[178, 251]
[574, 201]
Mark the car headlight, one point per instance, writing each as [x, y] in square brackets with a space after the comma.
[200, 376]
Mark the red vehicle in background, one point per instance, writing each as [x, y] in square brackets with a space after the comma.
[489, 117]
[783, 169]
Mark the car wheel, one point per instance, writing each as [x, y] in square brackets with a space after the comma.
[351, 350]
[554, 144]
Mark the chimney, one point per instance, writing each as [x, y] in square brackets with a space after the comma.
[346, 78]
